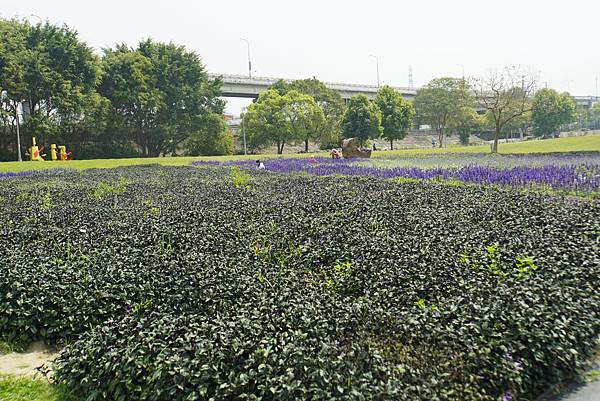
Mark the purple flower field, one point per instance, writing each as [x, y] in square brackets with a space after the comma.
[28, 173]
[580, 178]
[19, 174]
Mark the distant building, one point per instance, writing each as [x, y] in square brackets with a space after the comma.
[234, 124]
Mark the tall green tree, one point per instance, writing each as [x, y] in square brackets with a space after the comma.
[441, 103]
[212, 139]
[550, 110]
[48, 70]
[595, 112]
[160, 94]
[397, 114]
[362, 120]
[265, 121]
[85, 133]
[12, 82]
[281, 120]
[466, 123]
[129, 83]
[328, 100]
[306, 118]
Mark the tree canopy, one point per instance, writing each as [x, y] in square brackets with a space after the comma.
[160, 94]
[329, 101]
[595, 112]
[148, 99]
[467, 122]
[397, 114]
[213, 138]
[550, 110]
[442, 103]
[281, 120]
[50, 72]
[362, 120]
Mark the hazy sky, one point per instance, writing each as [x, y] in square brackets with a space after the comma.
[332, 40]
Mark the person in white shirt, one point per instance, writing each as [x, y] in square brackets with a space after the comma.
[260, 165]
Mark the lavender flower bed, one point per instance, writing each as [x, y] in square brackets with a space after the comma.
[10, 174]
[579, 178]
[488, 160]
[28, 173]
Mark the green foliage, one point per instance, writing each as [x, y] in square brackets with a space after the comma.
[240, 178]
[302, 288]
[46, 204]
[141, 307]
[160, 95]
[48, 67]
[6, 347]
[595, 111]
[551, 110]
[104, 189]
[525, 267]
[491, 262]
[362, 120]
[442, 104]
[327, 131]
[146, 100]
[397, 114]
[420, 303]
[467, 122]
[277, 119]
[212, 139]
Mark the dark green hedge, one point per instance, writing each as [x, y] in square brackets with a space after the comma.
[174, 284]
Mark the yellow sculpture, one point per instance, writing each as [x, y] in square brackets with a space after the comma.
[64, 155]
[34, 152]
[56, 152]
[53, 152]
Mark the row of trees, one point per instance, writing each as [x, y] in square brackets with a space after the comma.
[501, 103]
[306, 111]
[157, 98]
[154, 99]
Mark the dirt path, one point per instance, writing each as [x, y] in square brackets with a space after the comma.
[25, 363]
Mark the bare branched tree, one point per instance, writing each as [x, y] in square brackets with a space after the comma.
[505, 96]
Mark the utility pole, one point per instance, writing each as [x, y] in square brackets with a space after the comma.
[410, 77]
[249, 60]
[377, 61]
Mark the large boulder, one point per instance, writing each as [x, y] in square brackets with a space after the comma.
[350, 149]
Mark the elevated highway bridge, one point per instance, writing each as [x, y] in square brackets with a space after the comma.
[242, 86]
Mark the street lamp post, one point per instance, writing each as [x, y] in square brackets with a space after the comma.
[463, 70]
[38, 17]
[377, 61]
[244, 129]
[249, 61]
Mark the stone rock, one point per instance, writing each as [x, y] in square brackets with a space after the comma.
[351, 150]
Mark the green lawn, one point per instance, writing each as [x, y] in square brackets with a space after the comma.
[108, 163]
[26, 389]
[588, 143]
[571, 144]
